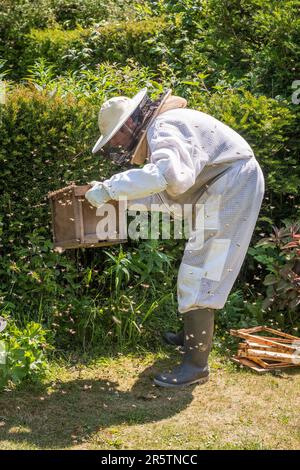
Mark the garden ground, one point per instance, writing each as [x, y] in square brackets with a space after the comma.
[112, 403]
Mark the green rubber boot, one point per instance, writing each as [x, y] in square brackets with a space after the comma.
[198, 335]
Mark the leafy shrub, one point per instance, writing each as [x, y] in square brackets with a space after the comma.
[280, 255]
[240, 311]
[23, 353]
[45, 144]
[18, 17]
[250, 43]
[258, 39]
[133, 291]
[71, 13]
[254, 43]
[84, 48]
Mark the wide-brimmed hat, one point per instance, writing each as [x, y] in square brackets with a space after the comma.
[113, 114]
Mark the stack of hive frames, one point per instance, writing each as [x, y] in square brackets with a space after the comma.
[265, 352]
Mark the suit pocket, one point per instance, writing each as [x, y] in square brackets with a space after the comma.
[188, 285]
[216, 259]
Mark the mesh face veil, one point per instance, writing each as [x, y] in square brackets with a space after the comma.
[121, 154]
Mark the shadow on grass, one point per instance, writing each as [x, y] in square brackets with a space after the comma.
[75, 410]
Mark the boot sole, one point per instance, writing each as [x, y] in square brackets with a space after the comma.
[200, 381]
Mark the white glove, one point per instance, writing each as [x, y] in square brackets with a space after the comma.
[97, 195]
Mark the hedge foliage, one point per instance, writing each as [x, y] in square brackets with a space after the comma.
[85, 48]
[18, 17]
[254, 43]
[251, 43]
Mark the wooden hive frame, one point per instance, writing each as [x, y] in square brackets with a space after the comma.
[264, 353]
[74, 219]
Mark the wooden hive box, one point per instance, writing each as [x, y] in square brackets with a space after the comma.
[74, 219]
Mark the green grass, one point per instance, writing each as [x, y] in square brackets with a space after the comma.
[111, 403]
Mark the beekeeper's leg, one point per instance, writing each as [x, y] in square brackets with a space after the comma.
[207, 272]
[198, 334]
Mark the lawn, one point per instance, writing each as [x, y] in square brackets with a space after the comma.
[112, 403]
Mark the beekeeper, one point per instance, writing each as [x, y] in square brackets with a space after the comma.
[191, 158]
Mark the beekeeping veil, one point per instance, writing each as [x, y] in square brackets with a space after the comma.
[142, 110]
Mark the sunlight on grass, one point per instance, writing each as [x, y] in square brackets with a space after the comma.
[111, 403]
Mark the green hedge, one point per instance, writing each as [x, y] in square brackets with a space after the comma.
[41, 137]
[251, 43]
[18, 17]
[257, 41]
[85, 48]
[254, 43]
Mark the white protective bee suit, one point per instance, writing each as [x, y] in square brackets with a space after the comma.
[194, 158]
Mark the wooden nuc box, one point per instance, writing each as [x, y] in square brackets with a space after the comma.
[75, 222]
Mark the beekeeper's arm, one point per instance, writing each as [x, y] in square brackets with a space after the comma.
[172, 169]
